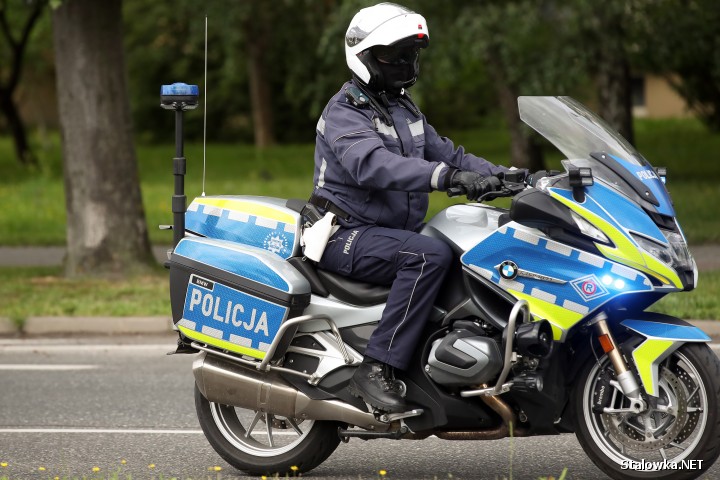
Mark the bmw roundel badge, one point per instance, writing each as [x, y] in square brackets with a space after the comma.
[508, 269]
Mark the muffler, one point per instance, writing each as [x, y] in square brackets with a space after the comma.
[227, 383]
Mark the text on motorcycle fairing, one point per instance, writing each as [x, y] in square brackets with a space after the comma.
[233, 312]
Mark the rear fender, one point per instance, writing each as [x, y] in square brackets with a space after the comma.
[663, 335]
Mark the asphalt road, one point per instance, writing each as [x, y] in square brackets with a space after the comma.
[70, 405]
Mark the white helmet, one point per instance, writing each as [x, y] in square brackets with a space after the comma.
[397, 34]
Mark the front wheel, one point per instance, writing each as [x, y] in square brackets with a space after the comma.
[262, 443]
[676, 438]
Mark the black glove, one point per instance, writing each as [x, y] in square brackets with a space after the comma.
[473, 184]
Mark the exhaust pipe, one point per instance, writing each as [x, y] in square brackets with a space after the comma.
[228, 383]
[501, 431]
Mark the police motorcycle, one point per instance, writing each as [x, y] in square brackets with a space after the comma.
[541, 329]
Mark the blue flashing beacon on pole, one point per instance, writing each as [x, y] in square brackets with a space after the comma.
[179, 96]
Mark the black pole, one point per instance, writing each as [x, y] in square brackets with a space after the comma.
[179, 97]
[179, 168]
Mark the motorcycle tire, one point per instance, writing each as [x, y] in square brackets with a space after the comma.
[268, 453]
[690, 376]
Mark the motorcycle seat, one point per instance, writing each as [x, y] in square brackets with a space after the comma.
[353, 292]
[325, 283]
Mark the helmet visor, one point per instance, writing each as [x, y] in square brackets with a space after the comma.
[394, 55]
[402, 52]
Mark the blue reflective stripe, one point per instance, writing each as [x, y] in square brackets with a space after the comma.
[669, 331]
[233, 261]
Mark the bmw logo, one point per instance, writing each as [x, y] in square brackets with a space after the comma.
[508, 269]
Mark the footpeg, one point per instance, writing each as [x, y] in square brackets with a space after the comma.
[392, 417]
[345, 435]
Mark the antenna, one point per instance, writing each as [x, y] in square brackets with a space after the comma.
[205, 107]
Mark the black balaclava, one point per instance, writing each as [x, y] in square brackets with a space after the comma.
[394, 67]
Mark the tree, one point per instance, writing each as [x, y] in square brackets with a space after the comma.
[681, 41]
[18, 45]
[524, 44]
[106, 230]
[607, 33]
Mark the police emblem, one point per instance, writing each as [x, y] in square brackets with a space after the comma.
[276, 243]
[508, 269]
[589, 287]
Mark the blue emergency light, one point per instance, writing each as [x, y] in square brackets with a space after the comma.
[179, 96]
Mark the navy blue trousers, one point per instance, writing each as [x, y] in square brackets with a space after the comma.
[413, 264]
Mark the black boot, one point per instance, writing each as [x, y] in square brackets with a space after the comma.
[373, 382]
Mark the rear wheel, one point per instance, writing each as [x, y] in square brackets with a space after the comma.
[682, 429]
[262, 443]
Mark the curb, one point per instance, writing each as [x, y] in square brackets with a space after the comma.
[163, 324]
[88, 325]
[7, 326]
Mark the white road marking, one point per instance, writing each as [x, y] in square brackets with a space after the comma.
[19, 348]
[99, 430]
[44, 368]
[124, 430]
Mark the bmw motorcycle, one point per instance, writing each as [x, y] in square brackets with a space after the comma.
[541, 328]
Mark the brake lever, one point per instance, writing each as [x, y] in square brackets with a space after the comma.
[514, 187]
[508, 189]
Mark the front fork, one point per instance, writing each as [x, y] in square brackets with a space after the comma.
[626, 380]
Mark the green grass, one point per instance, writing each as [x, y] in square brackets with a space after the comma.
[703, 303]
[34, 202]
[44, 292]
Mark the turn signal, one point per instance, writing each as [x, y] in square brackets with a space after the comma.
[606, 343]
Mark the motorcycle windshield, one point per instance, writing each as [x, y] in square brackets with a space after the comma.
[583, 137]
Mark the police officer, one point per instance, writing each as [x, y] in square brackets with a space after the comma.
[376, 159]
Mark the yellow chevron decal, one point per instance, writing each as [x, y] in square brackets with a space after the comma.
[561, 319]
[625, 251]
[644, 356]
[225, 345]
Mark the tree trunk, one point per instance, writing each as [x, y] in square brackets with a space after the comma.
[614, 88]
[17, 129]
[261, 102]
[611, 65]
[106, 230]
[524, 151]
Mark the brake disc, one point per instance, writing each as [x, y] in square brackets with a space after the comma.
[694, 401]
[626, 433]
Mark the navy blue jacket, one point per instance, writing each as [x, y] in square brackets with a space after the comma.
[381, 175]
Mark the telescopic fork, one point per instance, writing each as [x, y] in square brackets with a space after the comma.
[179, 97]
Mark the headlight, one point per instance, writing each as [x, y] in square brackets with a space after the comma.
[679, 250]
[675, 255]
[588, 228]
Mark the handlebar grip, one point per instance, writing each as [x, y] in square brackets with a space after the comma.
[454, 192]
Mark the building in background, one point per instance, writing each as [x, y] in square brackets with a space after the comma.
[654, 97]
